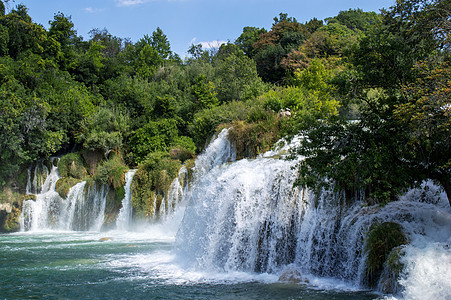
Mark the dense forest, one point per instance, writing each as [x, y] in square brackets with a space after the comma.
[369, 92]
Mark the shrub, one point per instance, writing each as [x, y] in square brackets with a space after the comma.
[154, 136]
[382, 238]
[63, 185]
[72, 165]
[112, 172]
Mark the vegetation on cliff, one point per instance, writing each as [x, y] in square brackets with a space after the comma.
[370, 92]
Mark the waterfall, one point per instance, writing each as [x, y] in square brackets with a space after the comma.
[125, 214]
[43, 212]
[218, 152]
[83, 208]
[249, 216]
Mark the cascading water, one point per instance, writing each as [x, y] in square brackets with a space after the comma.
[83, 208]
[125, 214]
[42, 213]
[247, 216]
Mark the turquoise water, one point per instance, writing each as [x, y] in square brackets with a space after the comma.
[124, 265]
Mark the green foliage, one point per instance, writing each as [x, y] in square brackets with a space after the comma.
[248, 38]
[204, 93]
[355, 157]
[236, 75]
[112, 172]
[206, 121]
[63, 185]
[104, 130]
[11, 222]
[426, 117]
[252, 139]
[72, 165]
[356, 19]
[381, 239]
[154, 136]
[183, 148]
[151, 184]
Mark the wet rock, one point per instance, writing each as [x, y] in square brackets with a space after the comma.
[292, 275]
[104, 239]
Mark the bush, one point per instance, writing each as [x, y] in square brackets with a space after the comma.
[72, 165]
[206, 121]
[382, 238]
[111, 172]
[151, 183]
[251, 139]
[63, 185]
[154, 136]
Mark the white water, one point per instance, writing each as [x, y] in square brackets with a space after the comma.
[42, 213]
[247, 217]
[244, 221]
[83, 208]
[124, 217]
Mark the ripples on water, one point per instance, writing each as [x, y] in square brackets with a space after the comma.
[129, 265]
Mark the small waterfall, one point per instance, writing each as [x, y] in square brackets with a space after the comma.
[218, 152]
[83, 208]
[248, 216]
[43, 213]
[37, 175]
[177, 190]
[125, 214]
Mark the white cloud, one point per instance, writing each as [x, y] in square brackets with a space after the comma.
[211, 44]
[138, 2]
[93, 10]
[129, 2]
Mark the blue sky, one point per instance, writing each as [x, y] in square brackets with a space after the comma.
[186, 21]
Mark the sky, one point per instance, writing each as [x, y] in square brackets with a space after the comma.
[186, 22]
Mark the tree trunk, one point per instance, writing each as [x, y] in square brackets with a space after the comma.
[445, 182]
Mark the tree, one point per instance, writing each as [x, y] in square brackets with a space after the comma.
[160, 43]
[285, 35]
[427, 118]
[248, 38]
[356, 19]
[104, 130]
[236, 75]
[62, 30]
[204, 93]
[20, 35]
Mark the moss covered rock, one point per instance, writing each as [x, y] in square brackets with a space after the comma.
[72, 165]
[9, 219]
[388, 281]
[63, 185]
[151, 184]
[382, 239]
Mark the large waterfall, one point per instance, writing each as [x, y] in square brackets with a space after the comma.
[248, 216]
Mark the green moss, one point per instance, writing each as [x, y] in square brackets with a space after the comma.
[112, 207]
[252, 139]
[120, 193]
[111, 172]
[22, 179]
[151, 184]
[10, 221]
[394, 260]
[382, 238]
[72, 165]
[63, 185]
